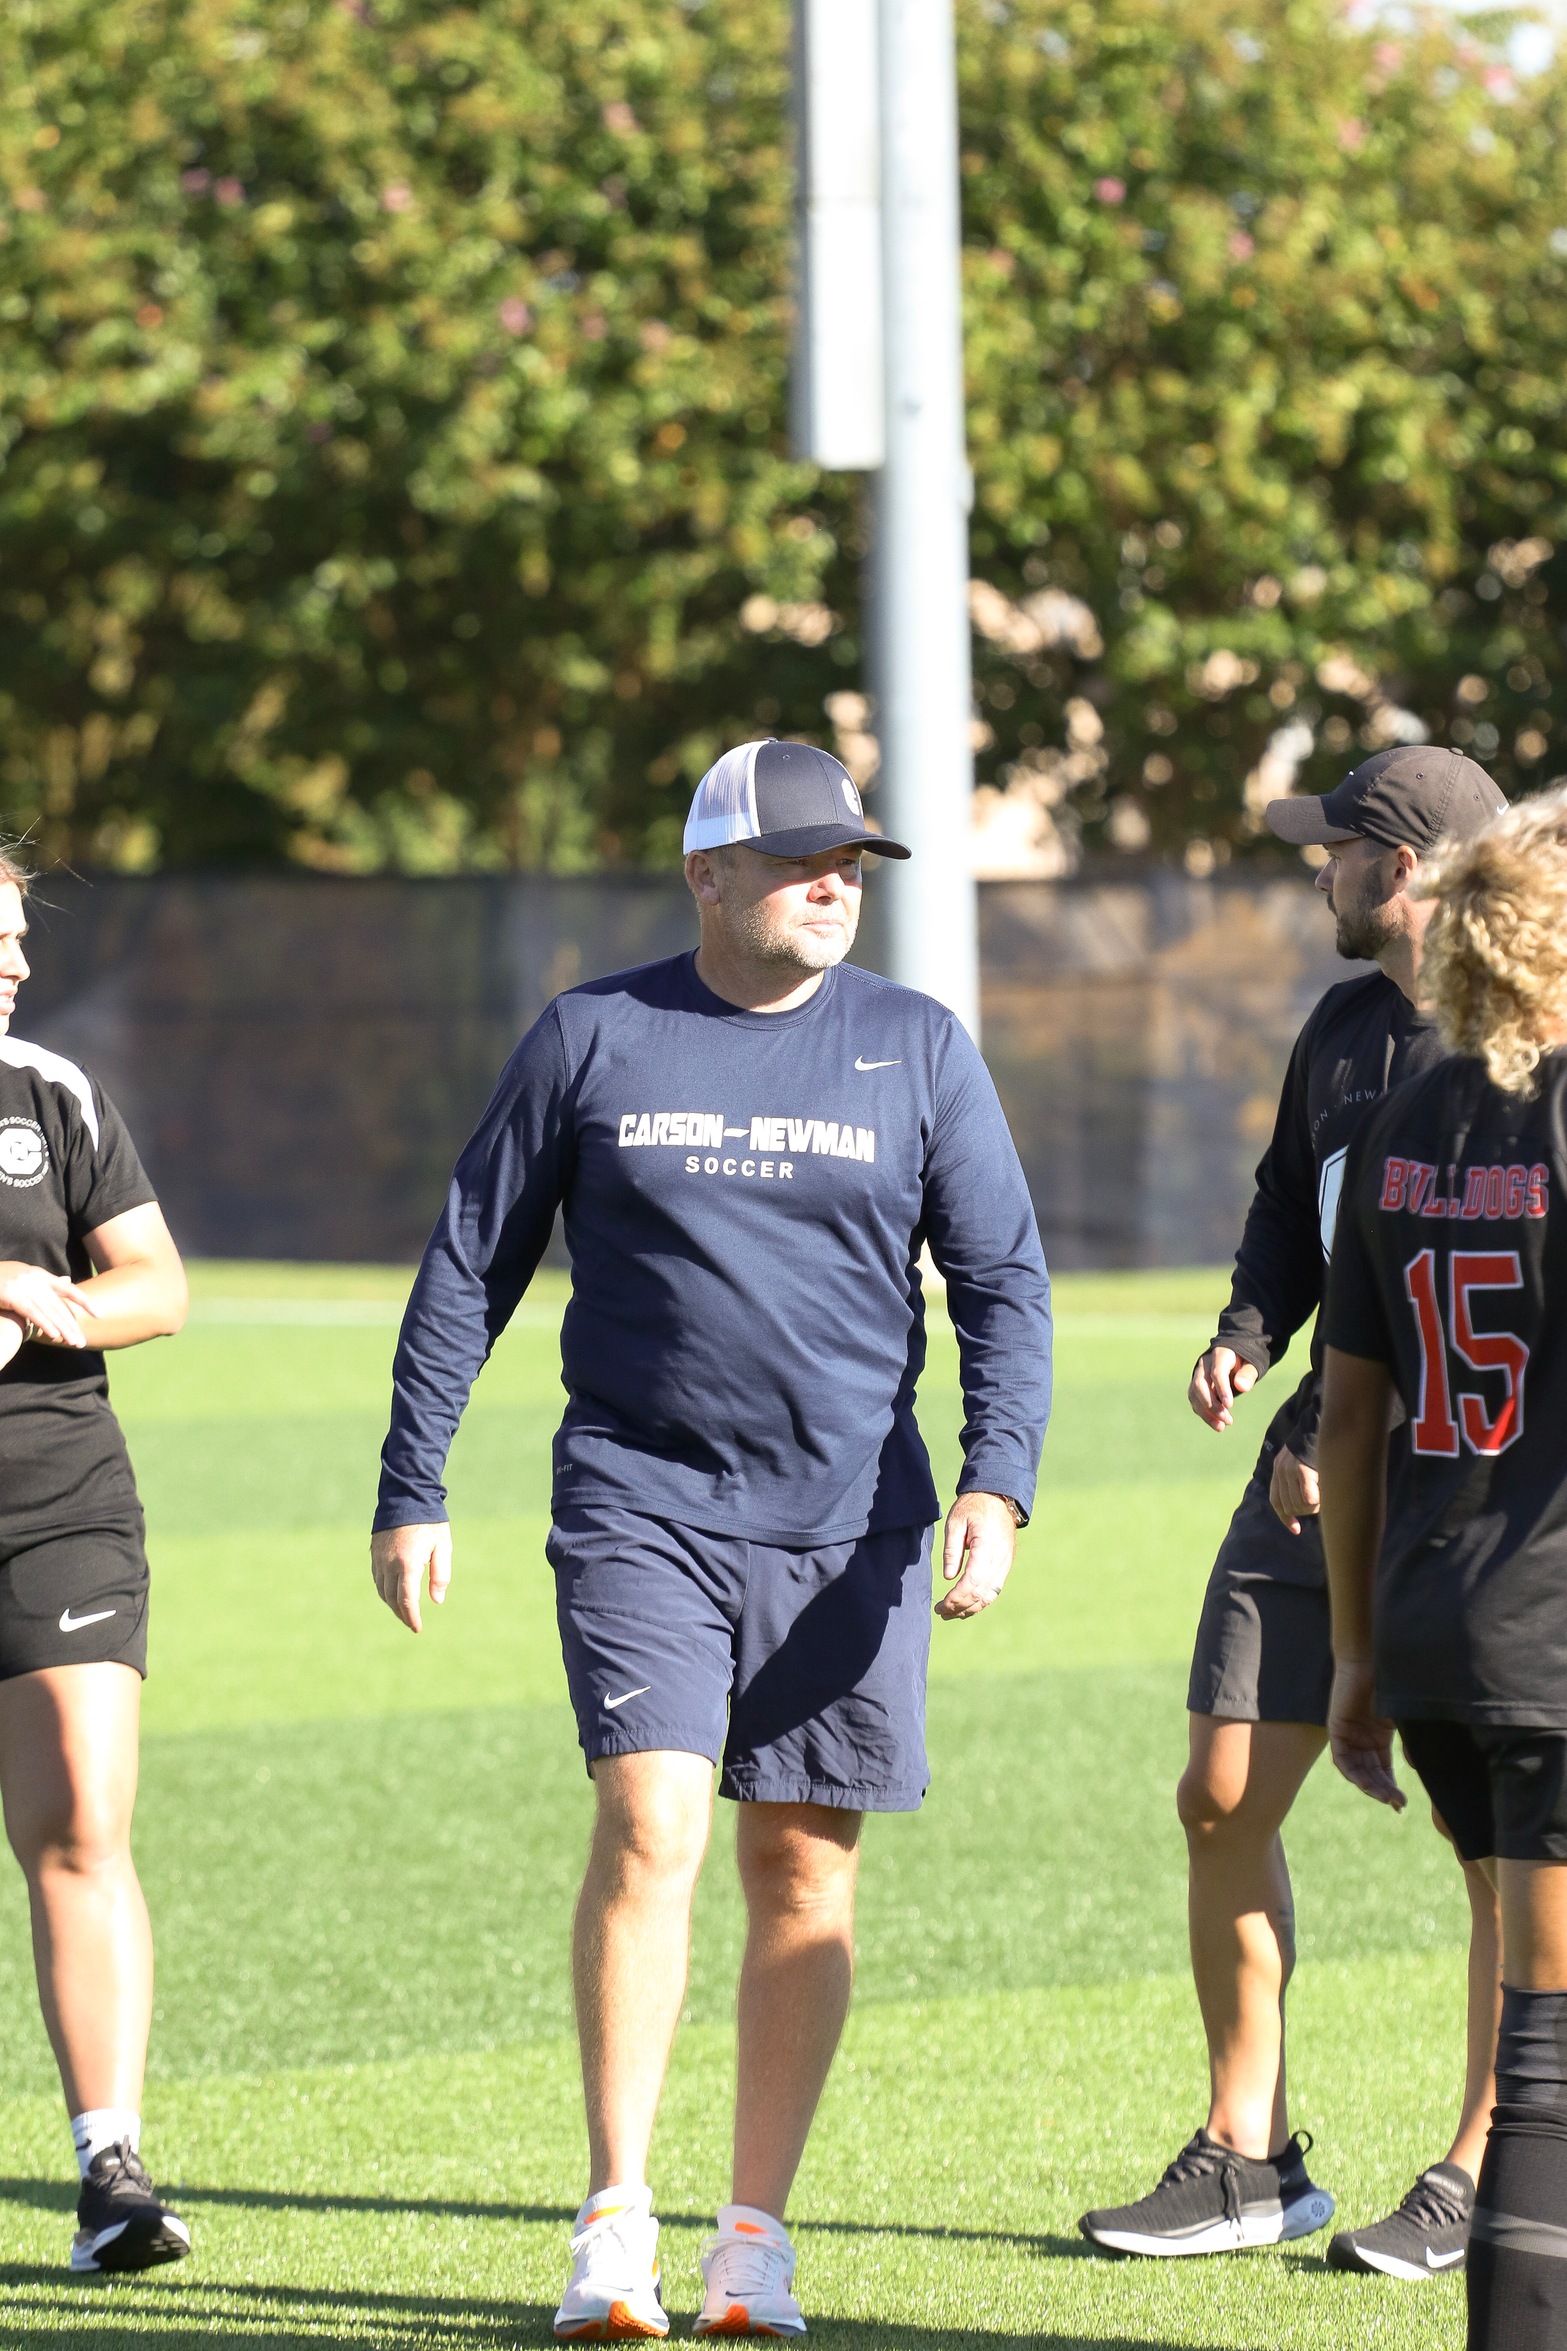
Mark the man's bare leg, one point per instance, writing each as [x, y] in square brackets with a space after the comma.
[798, 1864]
[631, 1946]
[1239, 1784]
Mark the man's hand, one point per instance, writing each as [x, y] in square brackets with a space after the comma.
[976, 1555]
[1292, 1489]
[1217, 1379]
[1361, 1740]
[400, 1557]
[47, 1302]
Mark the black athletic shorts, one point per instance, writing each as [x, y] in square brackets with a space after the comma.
[1264, 1649]
[74, 1599]
[1499, 1790]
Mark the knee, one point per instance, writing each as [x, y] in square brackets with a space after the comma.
[72, 1837]
[654, 1833]
[797, 1867]
[1206, 1805]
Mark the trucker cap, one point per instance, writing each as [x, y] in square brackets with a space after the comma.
[786, 799]
[1408, 797]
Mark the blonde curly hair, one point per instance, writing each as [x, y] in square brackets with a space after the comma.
[11, 867]
[1494, 966]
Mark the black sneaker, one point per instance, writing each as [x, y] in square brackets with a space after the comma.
[122, 2225]
[1426, 2236]
[1212, 2200]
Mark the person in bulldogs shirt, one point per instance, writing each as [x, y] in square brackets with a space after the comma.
[86, 1262]
[1448, 1296]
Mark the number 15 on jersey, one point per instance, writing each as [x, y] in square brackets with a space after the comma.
[1482, 1429]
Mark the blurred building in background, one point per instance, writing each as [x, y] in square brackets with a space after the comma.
[301, 1059]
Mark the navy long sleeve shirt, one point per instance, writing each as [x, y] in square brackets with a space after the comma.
[745, 1199]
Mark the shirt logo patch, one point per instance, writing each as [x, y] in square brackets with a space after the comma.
[24, 1155]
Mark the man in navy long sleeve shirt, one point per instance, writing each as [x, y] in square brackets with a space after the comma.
[750, 1147]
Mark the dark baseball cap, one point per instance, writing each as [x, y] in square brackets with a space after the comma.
[786, 799]
[1409, 797]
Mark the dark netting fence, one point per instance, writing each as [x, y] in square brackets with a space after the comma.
[300, 1059]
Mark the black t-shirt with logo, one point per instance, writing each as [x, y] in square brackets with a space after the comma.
[67, 1165]
[1451, 1267]
[1363, 1037]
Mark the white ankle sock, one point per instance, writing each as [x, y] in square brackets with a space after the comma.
[749, 2220]
[614, 2199]
[100, 2127]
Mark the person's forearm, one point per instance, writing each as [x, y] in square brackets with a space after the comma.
[443, 1343]
[1352, 1469]
[1001, 1443]
[1276, 1286]
[1004, 1332]
[134, 1302]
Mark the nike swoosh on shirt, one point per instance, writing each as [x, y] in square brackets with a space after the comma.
[877, 1064]
[1442, 2260]
[74, 1624]
[610, 1704]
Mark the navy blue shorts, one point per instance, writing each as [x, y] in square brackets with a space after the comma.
[802, 1671]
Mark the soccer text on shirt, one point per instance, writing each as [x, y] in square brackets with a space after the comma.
[767, 1138]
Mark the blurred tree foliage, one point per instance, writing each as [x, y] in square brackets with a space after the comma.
[1267, 322]
[392, 395]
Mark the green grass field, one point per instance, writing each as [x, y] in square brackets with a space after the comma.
[361, 1850]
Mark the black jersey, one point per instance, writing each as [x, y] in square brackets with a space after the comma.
[1363, 1037]
[67, 1165]
[1451, 1267]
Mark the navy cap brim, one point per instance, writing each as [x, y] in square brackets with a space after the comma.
[1303, 819]
[812, 840]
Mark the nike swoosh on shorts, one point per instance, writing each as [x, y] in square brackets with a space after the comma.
[859, 1064]
[74, 1624]
[610, 1704]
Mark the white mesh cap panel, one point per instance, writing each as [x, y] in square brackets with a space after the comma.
[723, 808]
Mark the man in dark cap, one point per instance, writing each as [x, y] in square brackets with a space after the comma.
[1263, 1665]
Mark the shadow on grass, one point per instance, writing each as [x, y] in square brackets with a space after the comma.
[56, 2196]
[305, 2318]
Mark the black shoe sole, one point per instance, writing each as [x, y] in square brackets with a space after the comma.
[137, 2247]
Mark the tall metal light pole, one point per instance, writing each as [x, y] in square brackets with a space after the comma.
[905, 320]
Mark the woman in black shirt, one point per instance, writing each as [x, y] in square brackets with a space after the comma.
[1447, 1299]
[86, 1262]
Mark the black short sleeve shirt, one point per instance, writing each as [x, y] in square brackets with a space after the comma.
[1450, 1266]
[67, 1166]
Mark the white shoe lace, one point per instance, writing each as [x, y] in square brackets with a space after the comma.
[747, 2268]
[614, 2247]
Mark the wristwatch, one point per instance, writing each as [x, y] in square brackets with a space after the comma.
[1019, 1514]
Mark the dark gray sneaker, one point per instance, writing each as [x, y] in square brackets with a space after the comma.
[1425, 2238]
[121, 2221]
[1212, 2200]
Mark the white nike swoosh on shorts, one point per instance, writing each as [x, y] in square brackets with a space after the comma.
[859, 1064]
[74, 1624]
[610, 1704]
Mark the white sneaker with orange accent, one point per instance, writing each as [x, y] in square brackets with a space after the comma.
[613, 2295]
[748, 2270]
